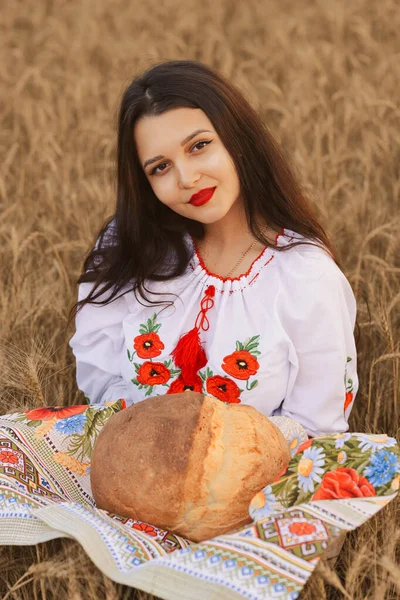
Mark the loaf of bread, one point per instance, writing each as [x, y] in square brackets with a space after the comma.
[186, 462]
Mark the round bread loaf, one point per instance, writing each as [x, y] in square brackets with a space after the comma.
[186, 462]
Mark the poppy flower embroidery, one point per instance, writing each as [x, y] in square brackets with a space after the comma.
[153, 373]
[148, 345]
[179, 385]
[242, 364]
[223, 388]
[343, 483]
[59, 412]
[348, 384]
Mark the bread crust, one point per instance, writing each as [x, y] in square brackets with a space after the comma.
[245, 454]
[186, 462]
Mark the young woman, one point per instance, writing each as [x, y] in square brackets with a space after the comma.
[209, 211]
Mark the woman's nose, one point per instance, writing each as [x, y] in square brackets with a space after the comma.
[187, 176]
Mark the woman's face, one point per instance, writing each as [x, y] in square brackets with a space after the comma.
[181, 170]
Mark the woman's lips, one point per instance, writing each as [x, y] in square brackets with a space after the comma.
[202, 198]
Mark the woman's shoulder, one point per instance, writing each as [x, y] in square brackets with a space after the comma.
[309, 275]
[304, 259]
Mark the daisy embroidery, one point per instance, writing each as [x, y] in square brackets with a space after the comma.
[310, 468]
[341, 439]
[261, 503]
[374, 442]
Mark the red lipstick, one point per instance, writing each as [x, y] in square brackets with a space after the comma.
[202, 196]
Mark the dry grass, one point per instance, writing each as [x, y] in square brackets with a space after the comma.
[323, 77]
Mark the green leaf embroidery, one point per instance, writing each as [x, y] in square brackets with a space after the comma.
[289, 493]
[303, 496]
[252, 386]
[252, 345]
[251, 348]
[252, 339]
[81, 445]
[174, 372]
[20, 418]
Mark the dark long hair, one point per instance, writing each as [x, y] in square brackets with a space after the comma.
[133, 244]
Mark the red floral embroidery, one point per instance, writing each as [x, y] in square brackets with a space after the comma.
[153, 373]
[348, 400]
[179, 385]
[6, 456]
[303, 528]
[148, 345]
[240, 364]
[343, 483]
[60, 412]
[349, 387]
[223, 388]
[149, 529]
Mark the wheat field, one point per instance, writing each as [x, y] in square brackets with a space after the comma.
[324, 76]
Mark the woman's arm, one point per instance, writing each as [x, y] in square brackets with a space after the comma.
[98, 345]
[319, 316]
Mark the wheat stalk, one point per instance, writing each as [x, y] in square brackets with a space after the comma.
[71, 463]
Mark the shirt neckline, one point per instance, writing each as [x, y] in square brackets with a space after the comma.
[267, 250]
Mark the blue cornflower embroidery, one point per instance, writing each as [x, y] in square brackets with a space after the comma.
[74, 424]
[382, 468]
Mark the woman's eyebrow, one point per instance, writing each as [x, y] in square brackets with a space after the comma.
[183, 142]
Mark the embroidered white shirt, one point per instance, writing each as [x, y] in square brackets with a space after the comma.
[279, 338]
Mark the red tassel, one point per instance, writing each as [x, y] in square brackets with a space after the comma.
[188, 354]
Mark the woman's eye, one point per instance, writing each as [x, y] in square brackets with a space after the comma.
[155, 172]
[202, 142]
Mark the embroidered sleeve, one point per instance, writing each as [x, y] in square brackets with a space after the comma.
[320, 319]
[97, 345]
